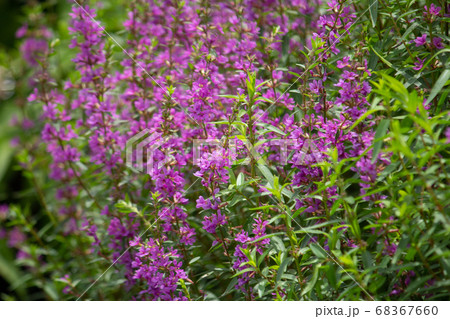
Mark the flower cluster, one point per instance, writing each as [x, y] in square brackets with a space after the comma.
[159, 270]
[245, 242]
[317, 128]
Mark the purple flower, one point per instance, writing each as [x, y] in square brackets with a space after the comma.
[349, 76]
[213, 167]
[34, 50]
[135, 242]
[334, 5]
[68, 288]
[259, 230]
[210, 223]
[437, 43]
[202, 203]
[159, 271]
[421, 40]
[187, 235]
[419, 64]
[3, 211]
[242, 237]
[16, 237]
[22, 31]
[91, 230]
[433, 11]
[389, 249]
[344, 63]
[315, 86]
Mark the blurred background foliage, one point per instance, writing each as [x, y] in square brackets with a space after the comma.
[15, 188]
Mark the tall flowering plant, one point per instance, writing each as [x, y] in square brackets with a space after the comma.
[230, 150]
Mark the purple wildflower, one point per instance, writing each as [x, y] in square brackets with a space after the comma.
[419, 64]
[159, 271]
[437, 43]
[422, 40]
[432, 11]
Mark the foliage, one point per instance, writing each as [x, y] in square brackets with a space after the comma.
[354, 93]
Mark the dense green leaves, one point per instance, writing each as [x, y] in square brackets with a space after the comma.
[372, 223]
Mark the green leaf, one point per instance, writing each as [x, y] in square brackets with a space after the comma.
[6, 152]
[367, 259]
[282, 268]
[373, 9]
[271, 128]
[389, 64]
[440, 83]
[331, 275]
[435, 55]
[261, 258]
[278, 243]
[261, 98]
[232, 176]
[318, 251]
[234, 97]
[9, 271]
[243, 271]
[267, 173]
[193, 260]
[369, 112]
[261, 84]
[409, 30]
[312, 281]
[261, 288]
[126, 207]
[230, 287]
[379, 135]
[240, 180]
